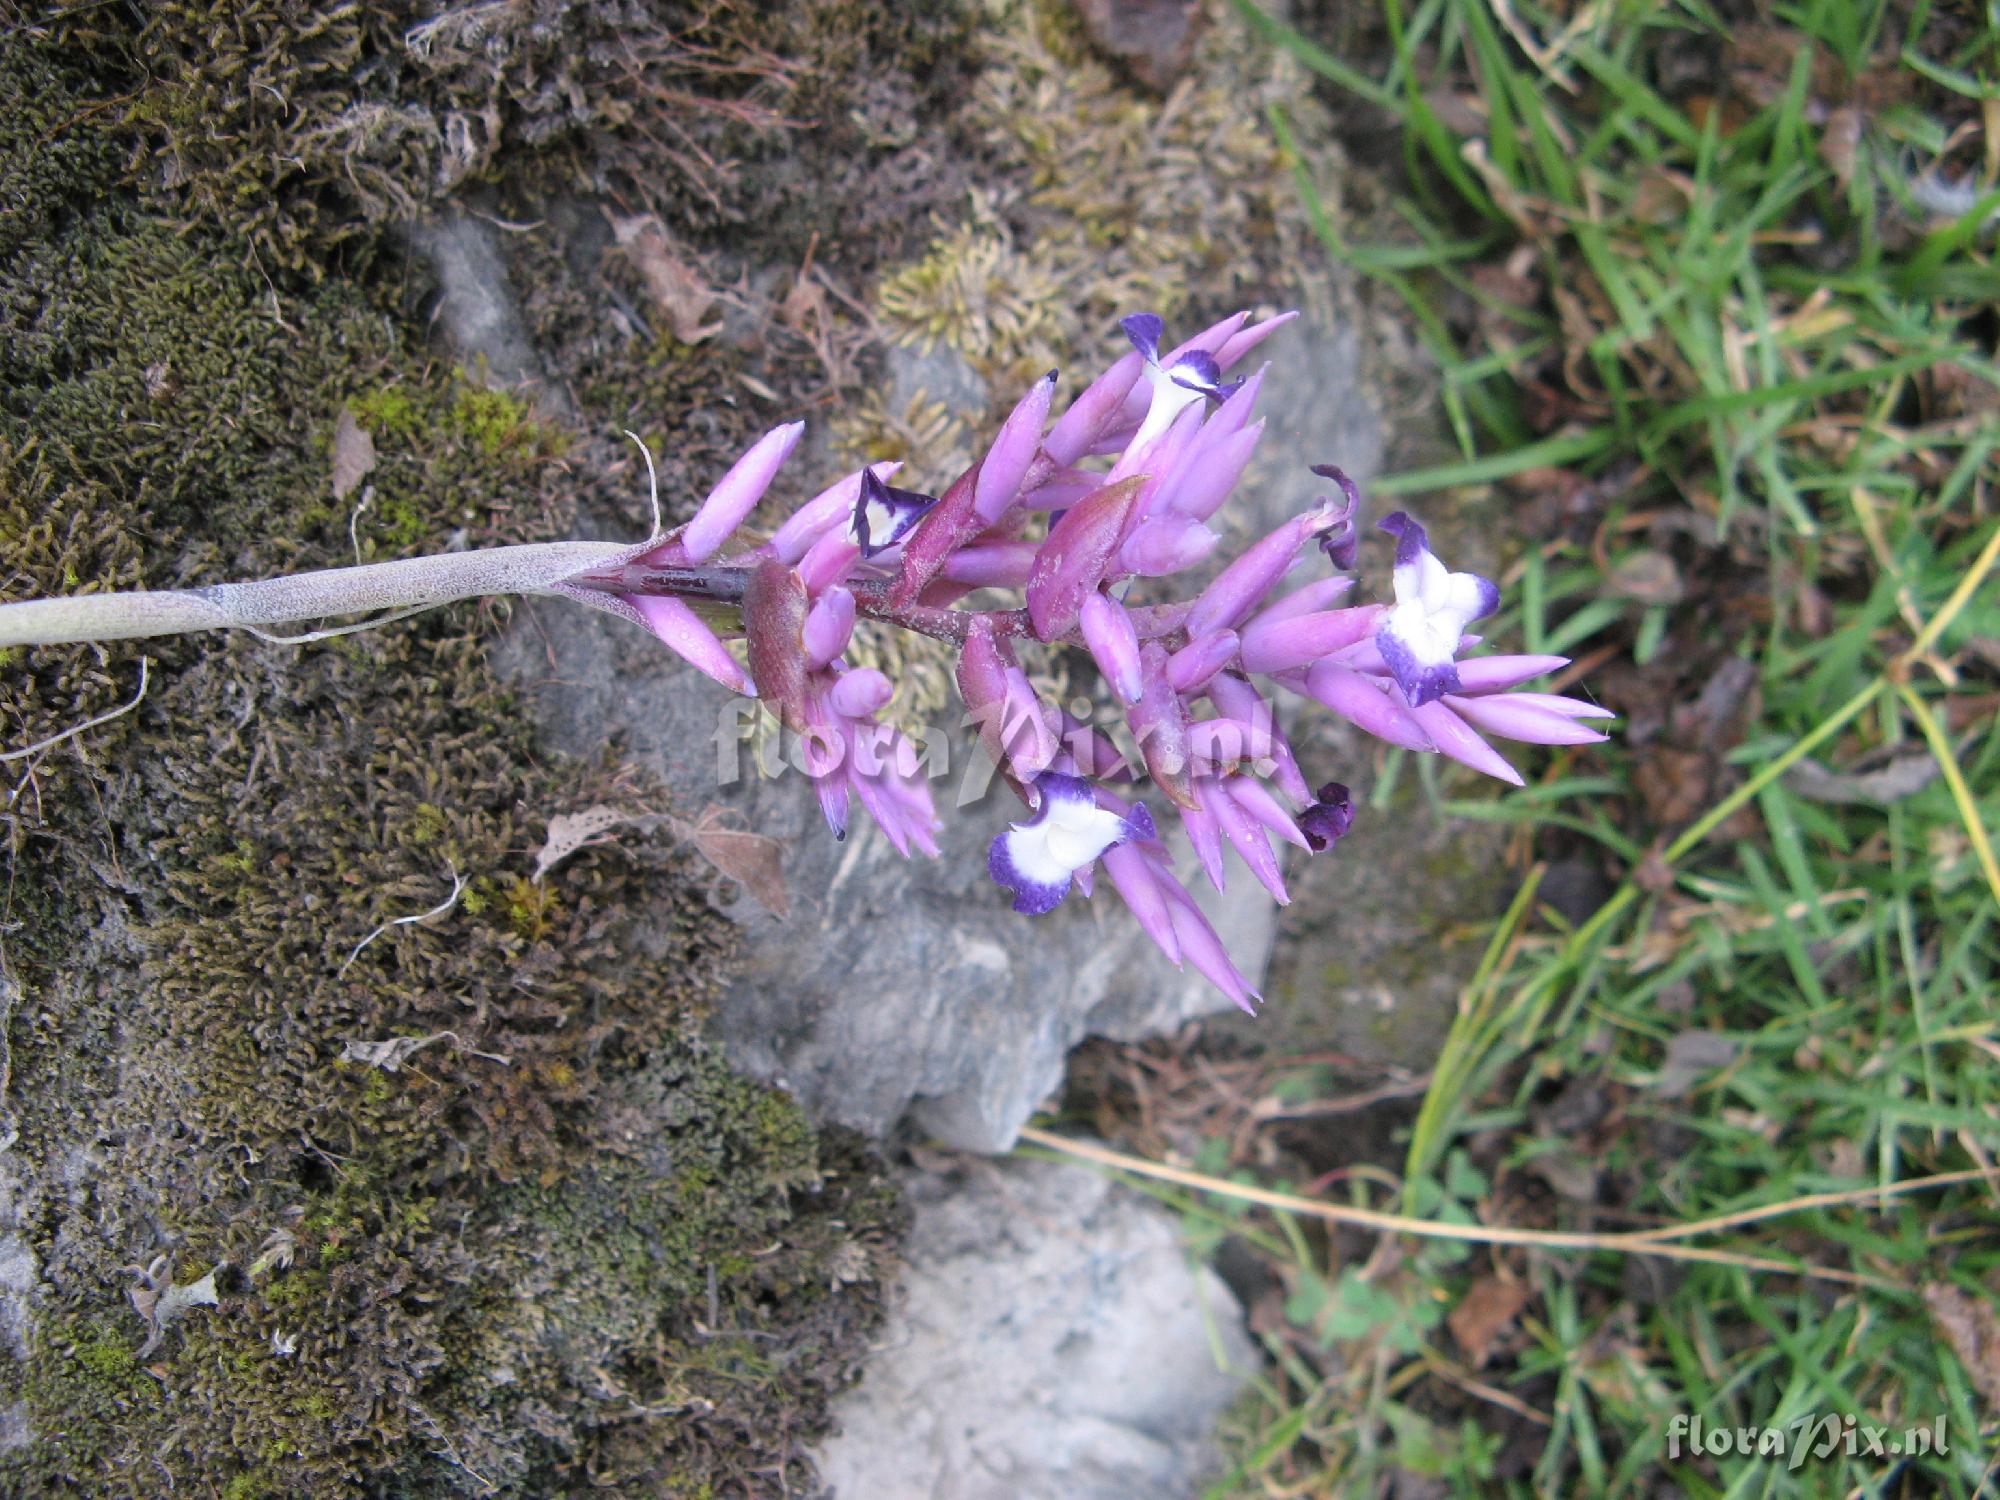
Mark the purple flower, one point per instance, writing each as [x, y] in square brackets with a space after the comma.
[1013, 724]
[1076, 557]
[1419, 639]
[682, 632]
[1037, 859]
[1241, 586]
[884, 515]
[1341, 542]
[1161, 546]
[821, 514]
[1533, 718]
[1326, 822]
[1246, 833]
[1167, 914]
[1183, 380]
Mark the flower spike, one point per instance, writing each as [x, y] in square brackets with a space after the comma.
[1069, 541]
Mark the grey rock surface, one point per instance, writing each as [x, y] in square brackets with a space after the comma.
[907, 986]
[1051, 1342]
[476, 307]
[20, 1286]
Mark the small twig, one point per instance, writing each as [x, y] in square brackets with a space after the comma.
[1266, 1111]
[457, 887]
[393, 1054]
[449, 1452]
[75, 729]
[1438, 1365]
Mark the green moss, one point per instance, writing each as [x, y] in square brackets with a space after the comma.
[530, 907]
[492, 419]
[387, 411]
[107, 1359]
[428, 824]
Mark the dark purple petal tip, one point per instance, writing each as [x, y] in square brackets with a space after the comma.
[1421, 682]
[1140, 822]
[1412, 541]
[1197, 370]
[1489, 597]
[1349, 490]
[1145, 331]
[1032, 898]
[1328, 819]
[1341, 541]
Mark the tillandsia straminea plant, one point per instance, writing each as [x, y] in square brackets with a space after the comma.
[1078, 518]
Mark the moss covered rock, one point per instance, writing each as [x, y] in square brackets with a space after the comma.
[481, 1211]
[304, 126]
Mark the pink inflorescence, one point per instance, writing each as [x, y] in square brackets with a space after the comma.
[1121, 488]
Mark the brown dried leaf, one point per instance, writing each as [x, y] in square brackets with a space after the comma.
[753, 860]
[1661, 197]
[1970, 1327]
[805, 306]
[1487, 1310]
[353, 455]
[682, 294]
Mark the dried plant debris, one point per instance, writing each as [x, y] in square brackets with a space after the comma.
[569, 832]
[753, 860]
[678, 288]
[306, 131]
[353, 455]
[160, 1302]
